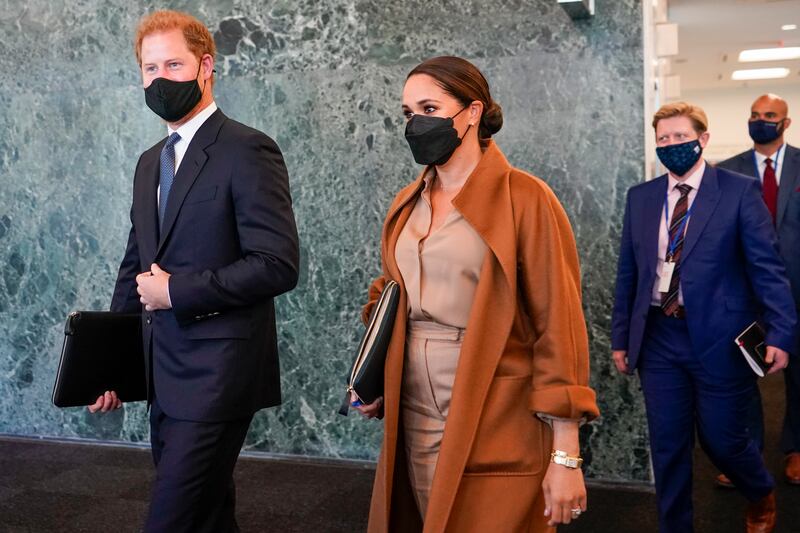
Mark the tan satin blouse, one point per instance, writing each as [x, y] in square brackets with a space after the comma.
[440, 269]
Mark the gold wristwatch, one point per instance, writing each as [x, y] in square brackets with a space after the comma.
[562, 458]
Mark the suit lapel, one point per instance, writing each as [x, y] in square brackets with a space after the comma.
[790, 180]
[191, 165]
[651, 217]
[749, 165]
[146, 213]
[702, 208]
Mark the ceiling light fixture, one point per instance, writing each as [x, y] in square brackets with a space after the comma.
[769, 54]
[789, 27]
[760, 74]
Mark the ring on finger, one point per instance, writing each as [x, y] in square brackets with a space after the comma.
[576, 512]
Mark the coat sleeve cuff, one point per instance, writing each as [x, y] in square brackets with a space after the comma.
[782, 341]
[568, 401]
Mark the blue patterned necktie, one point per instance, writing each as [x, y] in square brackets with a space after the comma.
[166, 174]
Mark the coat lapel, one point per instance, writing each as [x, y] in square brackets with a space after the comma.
[790, 180]
[651, 222]
[146, 213]
[749, 165]
[191, 165]
[702, 208]
[396, 219]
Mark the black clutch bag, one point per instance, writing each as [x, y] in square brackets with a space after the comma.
[752, 344]
[366, 376]
[102, 351]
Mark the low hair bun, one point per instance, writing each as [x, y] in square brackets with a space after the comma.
[491, 121]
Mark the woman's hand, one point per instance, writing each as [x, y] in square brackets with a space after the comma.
[372, 410]
[564, 492]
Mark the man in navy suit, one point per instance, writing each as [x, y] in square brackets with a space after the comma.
[777, 166]
[212, 242]
[698, 261]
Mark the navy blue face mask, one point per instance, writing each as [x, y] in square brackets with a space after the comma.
[679, 158]
[763, 132]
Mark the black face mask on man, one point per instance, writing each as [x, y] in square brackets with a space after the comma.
[173, 100]
[433, 139]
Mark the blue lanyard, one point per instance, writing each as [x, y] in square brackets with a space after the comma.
[673, 243]
[774, 163]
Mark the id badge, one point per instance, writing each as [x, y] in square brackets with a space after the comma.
[666, 276]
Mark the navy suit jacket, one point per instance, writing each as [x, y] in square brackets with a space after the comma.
[230, 243]
[730, 270]
[788, 216]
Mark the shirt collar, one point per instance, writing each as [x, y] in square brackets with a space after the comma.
[190, 127]
[761, 157]
[692, 181]
[428, 176]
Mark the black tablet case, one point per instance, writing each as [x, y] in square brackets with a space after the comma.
[102, 351]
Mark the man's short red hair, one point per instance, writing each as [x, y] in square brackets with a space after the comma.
[198, 38]
[693, 112]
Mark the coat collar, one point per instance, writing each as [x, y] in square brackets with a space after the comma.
[485, 202]
[708, 195]
[488, 185]
[191, 165]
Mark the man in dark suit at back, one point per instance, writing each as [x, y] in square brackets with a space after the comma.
[212, 242]
[777, 165]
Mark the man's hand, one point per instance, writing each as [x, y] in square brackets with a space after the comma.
[106, 402]
[621, 360]
[153, 289]
[777, 358]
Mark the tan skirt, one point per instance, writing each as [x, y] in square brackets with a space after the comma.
[431, 358]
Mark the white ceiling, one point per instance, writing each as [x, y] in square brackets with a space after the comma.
[711, 33]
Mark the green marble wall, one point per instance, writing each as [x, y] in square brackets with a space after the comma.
[324, 79]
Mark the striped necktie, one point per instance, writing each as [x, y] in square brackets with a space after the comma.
[677, 231]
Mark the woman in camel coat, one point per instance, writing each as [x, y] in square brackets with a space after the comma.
[520, 387]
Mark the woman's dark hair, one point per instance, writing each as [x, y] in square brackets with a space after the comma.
[462, 80]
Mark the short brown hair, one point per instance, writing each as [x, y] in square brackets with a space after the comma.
[461, 79]
[198, 38]
[683, 109]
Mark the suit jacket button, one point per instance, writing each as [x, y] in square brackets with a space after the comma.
[149, 319]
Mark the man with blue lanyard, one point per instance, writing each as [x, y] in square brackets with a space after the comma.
[698, 264]
[777, 166]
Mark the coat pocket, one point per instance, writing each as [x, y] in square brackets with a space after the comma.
[201, 194]
[220, 327]
[509, 439]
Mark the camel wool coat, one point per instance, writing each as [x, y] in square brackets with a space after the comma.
[525, 352]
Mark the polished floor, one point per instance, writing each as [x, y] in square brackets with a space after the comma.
[74, 487]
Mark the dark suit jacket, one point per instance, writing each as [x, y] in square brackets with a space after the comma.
[730, 269]
[788, 216]
[230, 242]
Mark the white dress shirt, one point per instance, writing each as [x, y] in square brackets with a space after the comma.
[777, 163]
[187, 131]
[673, 194]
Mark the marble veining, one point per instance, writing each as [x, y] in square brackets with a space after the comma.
[324, 79]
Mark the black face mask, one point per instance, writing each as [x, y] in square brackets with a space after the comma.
[173, 100]
[433, 139]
